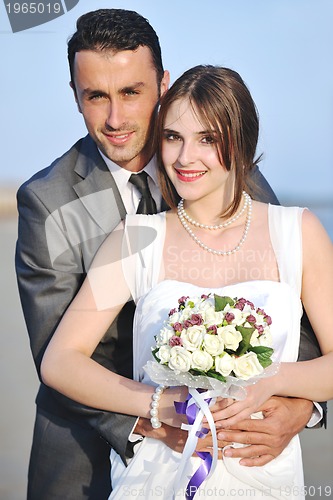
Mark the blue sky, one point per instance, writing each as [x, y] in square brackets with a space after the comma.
[282, 49]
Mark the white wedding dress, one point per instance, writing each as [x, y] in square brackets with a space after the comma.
[150, 473]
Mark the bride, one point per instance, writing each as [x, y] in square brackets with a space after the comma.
[213, 239]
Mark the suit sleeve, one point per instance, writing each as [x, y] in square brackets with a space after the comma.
[260, 189]
[309, 349]
[45, 293]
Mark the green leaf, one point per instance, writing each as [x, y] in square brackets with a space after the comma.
[154, 353]
[195, 371]
[210, 373]
[263, 354]
[261, 349]
[221, 302]
[245, 343]
[218, 376]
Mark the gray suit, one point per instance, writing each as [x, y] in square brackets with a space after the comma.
[65, 212]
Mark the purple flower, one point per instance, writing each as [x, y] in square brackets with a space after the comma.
[204, 296]
[240, 304]
[251, 318]
[196, 319]
[182, 299]
[173, 311]
[187, 323]
[268, 319]
[174, 341]
[229, 317]
[260, 329]
[212, 330]
[177, 326]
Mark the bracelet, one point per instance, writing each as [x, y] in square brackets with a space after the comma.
[155, 403]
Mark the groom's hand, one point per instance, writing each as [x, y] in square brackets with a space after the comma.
[268, 437]
[174, 437]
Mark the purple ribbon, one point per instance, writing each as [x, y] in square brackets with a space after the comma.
[200, 475]
[202, 472]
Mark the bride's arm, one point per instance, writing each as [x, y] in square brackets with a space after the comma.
[313, 379]
[67, 365]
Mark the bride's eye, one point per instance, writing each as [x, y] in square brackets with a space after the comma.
[208, 139]
[171, 136]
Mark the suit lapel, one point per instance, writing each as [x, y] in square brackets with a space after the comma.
[97, 190]
[164, 206]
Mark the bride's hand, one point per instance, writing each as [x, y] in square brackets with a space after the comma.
[236, 411]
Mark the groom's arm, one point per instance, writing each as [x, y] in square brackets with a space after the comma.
[309, 349]
[45, 294]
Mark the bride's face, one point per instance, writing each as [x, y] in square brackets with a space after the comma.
[190, 156]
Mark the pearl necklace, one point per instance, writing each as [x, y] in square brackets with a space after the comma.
[182, 211]
[183, 218]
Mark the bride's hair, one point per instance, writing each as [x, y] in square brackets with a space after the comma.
[222, 103]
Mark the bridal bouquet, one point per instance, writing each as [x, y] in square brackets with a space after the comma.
[221, 338]
[220, 344]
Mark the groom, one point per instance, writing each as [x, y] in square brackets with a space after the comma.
[65, 212]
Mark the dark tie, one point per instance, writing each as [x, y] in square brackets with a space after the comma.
[147, 203]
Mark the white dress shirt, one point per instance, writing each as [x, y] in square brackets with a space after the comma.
[129, 193]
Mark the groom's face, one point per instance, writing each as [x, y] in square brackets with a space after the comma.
[117, 93]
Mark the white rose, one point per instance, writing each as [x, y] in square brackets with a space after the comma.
[254, 338]
[247, 366]
[213, 344]
[180, 359]
[212, 317]
[192, 337]
[265, 339]
[164, 336]
[230, 336]
[224, 364]
[207, 305]
[174, 318]
[185, 314]
[163, 354]
[259, 319]
[201, 360]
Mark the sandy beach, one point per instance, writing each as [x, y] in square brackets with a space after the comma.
[19, 385]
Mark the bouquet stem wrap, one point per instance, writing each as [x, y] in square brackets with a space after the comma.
[195, 408]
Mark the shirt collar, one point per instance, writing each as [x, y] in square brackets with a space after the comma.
[121, 175]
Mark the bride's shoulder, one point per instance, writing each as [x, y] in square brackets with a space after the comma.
[259, 211]
[314, 233]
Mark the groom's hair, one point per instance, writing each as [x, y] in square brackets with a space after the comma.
[115, 30]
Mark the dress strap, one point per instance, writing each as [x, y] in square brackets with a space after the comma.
[143, 251]
[285, 226]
